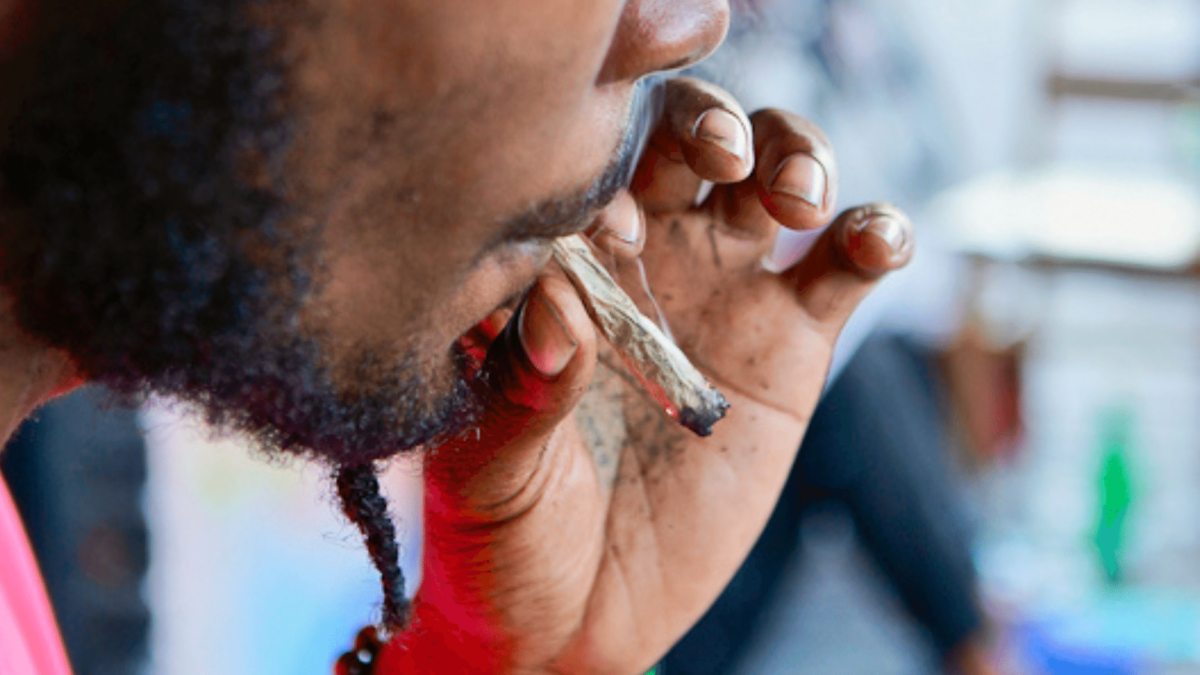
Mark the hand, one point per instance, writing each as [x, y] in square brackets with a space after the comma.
[532, 564]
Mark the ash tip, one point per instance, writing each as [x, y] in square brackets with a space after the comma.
[700, 419]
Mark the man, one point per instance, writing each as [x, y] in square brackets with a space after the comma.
[309, 219]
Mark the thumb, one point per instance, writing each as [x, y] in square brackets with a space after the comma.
[536, 371]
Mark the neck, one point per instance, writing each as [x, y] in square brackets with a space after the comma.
[30, 373]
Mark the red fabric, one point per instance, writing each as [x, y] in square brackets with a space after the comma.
[444, 638]
[450, 634]
[434, 645]
[29, 641]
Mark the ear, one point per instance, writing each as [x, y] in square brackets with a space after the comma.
[16, 25]
[46, 371]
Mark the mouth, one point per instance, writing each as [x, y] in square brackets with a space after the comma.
[473, 345]
[540, 226]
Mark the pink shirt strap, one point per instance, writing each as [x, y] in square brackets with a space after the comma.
[29, 640]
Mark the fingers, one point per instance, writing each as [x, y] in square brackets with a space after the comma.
[620, 229]
[796, 174]
[794, 182]
[740, 207]
[795, 179]
[710, 129]
[618, 238]
[536, 371]
[862, 245]
[704, 135]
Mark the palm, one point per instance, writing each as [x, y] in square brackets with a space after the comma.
[646, 557]
[579, 570]
[685, 510]
[743, 326]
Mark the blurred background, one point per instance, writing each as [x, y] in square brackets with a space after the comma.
[1004, 476]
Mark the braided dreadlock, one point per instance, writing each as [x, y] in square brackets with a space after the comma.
[366, 507]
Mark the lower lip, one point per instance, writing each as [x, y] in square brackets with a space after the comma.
[476, 341]
[474, 344]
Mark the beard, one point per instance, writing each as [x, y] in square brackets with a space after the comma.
[135, 240]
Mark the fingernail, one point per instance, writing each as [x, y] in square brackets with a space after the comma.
[726, 130]
[624, 220]
[890, 230]
[801, 176]
[544, 336]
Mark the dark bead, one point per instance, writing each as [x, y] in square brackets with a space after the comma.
[368, 639]
[349, 664]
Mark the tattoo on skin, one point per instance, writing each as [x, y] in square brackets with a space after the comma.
[656, 438]
[600, 416]
[616, 413]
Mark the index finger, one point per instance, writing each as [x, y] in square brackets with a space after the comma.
[702, 135]
[710, 129]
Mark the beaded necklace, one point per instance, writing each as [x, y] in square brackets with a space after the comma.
[362, 658]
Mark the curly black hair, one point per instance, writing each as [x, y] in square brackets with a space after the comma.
[146, 230]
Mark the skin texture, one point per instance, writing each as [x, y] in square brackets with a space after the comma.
[461, 143]
[29, 373]
[435, 163]
[593, 582]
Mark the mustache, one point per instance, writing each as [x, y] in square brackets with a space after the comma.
[563, 215]
[645, 110]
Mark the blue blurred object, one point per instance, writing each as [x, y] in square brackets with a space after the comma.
[1043, 653]
[1117, 632]
[76, 471]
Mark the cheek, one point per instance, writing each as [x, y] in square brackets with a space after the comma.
[396, 300]
[501, 162]
[497, 282]
[379, 295]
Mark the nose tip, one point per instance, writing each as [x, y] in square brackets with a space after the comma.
[657, 35]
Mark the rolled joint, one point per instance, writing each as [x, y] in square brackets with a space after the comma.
[648, 354]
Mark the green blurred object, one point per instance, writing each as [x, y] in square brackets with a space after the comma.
[1116, 489]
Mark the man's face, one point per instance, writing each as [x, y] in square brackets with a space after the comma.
[448, 142]
[435, 148]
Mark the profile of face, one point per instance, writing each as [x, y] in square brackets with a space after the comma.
[291, 212]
